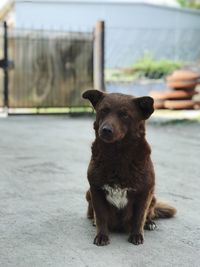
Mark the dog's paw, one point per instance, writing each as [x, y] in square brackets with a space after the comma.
[101, 240]
[94, 222]
[150, 225]
[136, 239]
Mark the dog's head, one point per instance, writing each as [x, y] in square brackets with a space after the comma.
[118, 115]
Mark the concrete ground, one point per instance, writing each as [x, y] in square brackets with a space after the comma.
[42, 196]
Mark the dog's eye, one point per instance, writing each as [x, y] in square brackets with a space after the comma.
[105, 111]
[123, 114]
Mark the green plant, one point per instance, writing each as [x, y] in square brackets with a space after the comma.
[152, 68]
[189, 4]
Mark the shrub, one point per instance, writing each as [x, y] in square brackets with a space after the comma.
[189, 4]
[154, 69]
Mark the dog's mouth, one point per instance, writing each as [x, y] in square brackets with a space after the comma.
[106, 139]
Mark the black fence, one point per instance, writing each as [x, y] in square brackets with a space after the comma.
[51, 68]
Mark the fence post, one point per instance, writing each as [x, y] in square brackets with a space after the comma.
[99, 50]
[6, 104]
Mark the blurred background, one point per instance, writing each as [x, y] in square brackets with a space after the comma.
[50, 52]
[53, 50]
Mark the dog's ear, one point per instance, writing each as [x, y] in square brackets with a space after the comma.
[145, 105]
[94, 96]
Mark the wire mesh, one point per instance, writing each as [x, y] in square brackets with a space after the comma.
[138, 59]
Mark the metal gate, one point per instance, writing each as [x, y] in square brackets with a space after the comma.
[51, 68]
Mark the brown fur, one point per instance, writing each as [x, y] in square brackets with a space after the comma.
[121, 156]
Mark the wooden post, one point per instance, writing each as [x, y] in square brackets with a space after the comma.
[6, 104]
[99, 50]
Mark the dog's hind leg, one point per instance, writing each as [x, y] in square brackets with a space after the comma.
[150, 224]
[90, 211]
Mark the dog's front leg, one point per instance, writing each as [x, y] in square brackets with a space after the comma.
[101, 214]
[140, 210]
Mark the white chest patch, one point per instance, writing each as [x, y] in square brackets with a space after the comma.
[116, 196]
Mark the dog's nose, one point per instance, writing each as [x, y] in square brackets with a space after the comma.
[107, 130]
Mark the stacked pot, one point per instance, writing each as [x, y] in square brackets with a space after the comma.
[181, 92]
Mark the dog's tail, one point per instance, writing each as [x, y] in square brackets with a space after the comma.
[163, 210]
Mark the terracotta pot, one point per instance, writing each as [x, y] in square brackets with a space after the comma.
[182, 84]
[167, 95]
[182, 75]
[196, 104]
[158, 104]
[181, 104]
[187, 89]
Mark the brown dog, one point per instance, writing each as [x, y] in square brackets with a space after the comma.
[121, 173]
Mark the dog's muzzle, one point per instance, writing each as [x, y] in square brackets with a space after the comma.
[106, 133]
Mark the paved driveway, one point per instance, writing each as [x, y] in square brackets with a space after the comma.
[42, 204]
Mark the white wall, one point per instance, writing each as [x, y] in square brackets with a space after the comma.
[85, 14]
